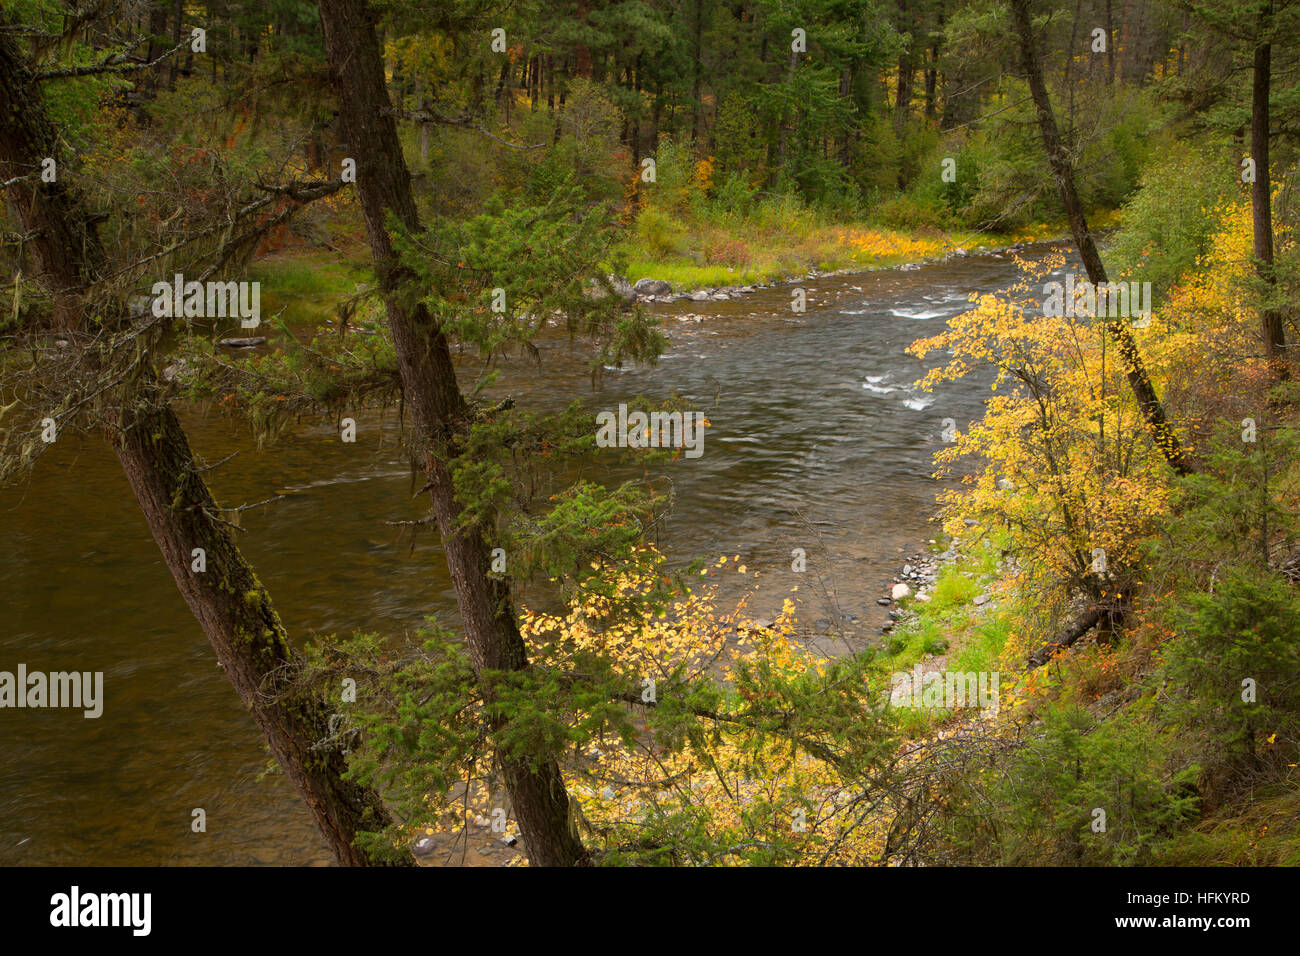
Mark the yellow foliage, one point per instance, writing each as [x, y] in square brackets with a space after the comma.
[1068, 467]
[742, 789]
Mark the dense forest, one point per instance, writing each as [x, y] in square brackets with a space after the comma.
[391, 219]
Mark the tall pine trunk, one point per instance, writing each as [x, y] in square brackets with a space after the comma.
[1261, 199]
[438, 411]
[1058, 156]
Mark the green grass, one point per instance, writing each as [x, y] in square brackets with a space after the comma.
[308, 283]
[1264, 830]
[701, 251]
[951, 623]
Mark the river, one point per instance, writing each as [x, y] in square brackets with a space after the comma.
[818, 440]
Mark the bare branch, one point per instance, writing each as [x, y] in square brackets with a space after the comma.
[113, 63]
[426, 116]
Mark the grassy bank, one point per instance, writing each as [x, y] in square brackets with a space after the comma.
[776, 241]
[703, 253]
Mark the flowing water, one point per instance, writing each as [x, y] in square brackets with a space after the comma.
[818, 440]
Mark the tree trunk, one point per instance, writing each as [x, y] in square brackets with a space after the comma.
[1261, 199]
[903, 95]
[230, 604]
[235, 613]
[932, 72]
[438, 411]
[697, 101]
[1063, 168]
[1069, 635]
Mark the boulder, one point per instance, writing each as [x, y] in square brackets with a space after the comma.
[900, 591]
[652, 287]
[623, 289]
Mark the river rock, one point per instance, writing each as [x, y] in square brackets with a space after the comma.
[244, 343]
[699, 297]
[900, 591]
[623, 289]
[652, 287]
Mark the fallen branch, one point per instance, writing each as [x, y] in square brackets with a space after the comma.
[1080, 627]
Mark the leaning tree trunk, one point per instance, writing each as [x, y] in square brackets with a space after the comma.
[235, 612]
[230, 604]
[1261, 198]
[438, 411]
[1063, 169]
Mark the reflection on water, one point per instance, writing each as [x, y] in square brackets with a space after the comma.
[819, 441]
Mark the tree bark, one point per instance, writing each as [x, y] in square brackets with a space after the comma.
[903, 91]
[1261, 198]
[697, 56]
[1058, 156]
[438, 411]
[230, 604]
[236, 614]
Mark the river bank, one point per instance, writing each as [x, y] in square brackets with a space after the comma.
[651, 288]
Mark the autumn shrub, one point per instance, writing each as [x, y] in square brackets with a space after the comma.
[1063, 461]
[659, 233]
[727, 251]
[689, 734]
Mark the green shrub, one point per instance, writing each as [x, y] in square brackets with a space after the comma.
[1168, 223]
